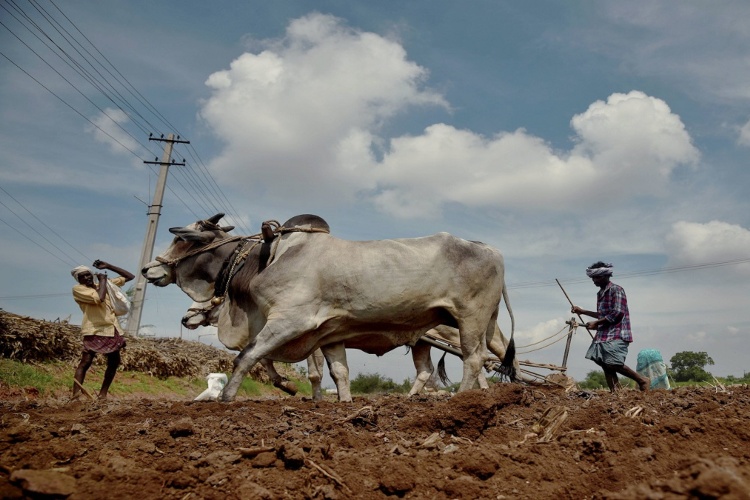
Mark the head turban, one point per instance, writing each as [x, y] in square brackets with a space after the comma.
[605, 270]
[77, 271]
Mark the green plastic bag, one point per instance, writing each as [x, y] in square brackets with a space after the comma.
[651, 365]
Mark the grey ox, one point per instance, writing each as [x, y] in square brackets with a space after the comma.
[207, 314]
[302, 289]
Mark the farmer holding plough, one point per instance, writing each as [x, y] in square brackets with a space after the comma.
[612, 324]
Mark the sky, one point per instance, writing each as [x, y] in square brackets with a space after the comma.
[562, 133]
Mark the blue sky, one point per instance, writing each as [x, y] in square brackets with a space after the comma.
[560, 132]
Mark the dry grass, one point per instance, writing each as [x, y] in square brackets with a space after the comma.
[31, 340]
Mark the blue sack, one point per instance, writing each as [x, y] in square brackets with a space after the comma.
[651, 365]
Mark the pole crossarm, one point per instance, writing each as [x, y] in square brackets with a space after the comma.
[154, 212]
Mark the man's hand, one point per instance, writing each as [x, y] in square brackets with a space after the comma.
[100, 264]
[102, 277]
[576, 310]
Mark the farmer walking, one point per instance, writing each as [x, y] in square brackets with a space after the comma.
[99, 325]
[613, 336]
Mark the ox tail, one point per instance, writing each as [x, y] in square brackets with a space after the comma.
[442, 374]
[507, 367]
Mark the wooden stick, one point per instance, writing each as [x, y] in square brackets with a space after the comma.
[251, 452]
[331, 475]
[571, 305]
[83, 389]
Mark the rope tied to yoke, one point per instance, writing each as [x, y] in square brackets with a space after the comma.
[196, 251]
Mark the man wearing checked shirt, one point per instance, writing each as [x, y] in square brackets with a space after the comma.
[613, 336]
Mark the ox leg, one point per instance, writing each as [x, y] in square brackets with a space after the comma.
[274, 335]
[482, 380]
[474, 350]
[420, 354]
[277, 380]
[243, 363]
[335, 355]
[315, 374]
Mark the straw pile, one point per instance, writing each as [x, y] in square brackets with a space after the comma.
[31, 340]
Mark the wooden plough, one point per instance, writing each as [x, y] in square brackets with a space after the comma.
[558, 377]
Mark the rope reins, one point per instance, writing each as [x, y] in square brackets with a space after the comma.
[270, 230]
[196, 251]
[278, 231]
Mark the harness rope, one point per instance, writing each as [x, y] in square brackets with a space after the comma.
[196, 251]
[544, 346]
[544, 339]
[270, 230]
[234, 262]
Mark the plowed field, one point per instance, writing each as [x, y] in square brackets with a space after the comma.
[511, 441]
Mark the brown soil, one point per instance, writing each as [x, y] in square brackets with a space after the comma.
[511, 441]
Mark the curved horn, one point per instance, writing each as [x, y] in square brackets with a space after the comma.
[191, 235]
[215, 219]
[226, 229]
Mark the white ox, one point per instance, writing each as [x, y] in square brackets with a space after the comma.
[207, 314]
[316, 290]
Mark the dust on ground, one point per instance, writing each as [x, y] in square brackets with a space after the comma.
[511, 441]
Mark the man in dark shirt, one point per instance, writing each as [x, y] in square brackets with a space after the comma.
[613, 336]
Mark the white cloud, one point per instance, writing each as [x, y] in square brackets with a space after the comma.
[107, 130]
[302, 119]
[626, 147]
[744, 137]
[702, 49]
[304, 110]
[633, 138]
[691, 243]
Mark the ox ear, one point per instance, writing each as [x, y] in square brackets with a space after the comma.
[191, 235]
[226, 229]
[215, 219]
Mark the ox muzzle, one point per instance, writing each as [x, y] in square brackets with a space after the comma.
[158, 273]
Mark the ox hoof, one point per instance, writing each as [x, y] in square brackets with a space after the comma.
[287, 386]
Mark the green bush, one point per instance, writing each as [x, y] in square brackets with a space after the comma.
[688, 366]
[374, 383]
[594, 380]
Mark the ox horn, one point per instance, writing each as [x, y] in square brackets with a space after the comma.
[215, 219]
[191, 235]
[226, 229]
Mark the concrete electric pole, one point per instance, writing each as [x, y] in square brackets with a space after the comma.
[154, 211]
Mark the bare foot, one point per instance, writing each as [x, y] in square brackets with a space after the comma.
[644, 384]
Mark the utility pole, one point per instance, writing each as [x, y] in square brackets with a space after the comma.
[154, 211]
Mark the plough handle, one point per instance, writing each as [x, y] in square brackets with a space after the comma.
[583, 323]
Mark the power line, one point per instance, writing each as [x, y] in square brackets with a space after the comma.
[74, 86]
[70, 106]
[134, 92]
[634, 274]
[100, 83]
[212, 182]
[42, 222]
[68, 263]
[193, 189]
[37, 296]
